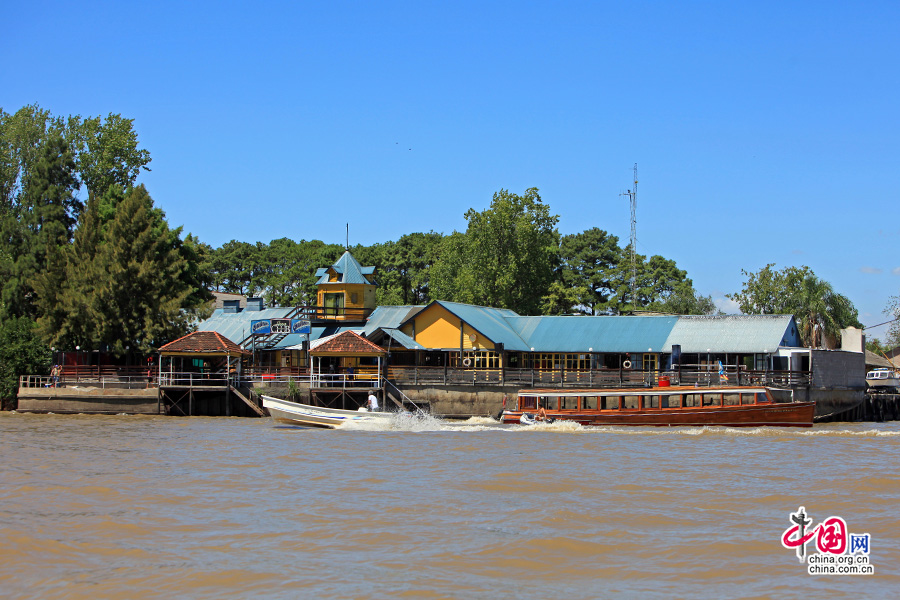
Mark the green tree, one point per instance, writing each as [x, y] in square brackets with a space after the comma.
[685, 300]
[108, 152]
[69, 308]
[23, 136]
[591, 261]
[510, 253]
[404, 268]
[238, 259]
[820, 312]
[561, 299]
[445, 276]
[21, 353]
[37, 228]
[130, 288]
[875, 346]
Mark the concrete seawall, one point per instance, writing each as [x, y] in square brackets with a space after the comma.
[93, 400]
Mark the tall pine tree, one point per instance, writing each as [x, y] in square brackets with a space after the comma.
[37, 231]
[130, 285]
[143, 293]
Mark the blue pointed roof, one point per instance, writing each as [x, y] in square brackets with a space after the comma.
[347, 269]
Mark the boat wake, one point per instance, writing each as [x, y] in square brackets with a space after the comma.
[423, 422]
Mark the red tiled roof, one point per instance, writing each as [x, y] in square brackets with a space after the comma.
[347, 342]
[203, 342]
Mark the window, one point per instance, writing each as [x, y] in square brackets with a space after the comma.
[731, 399]
[578, 362]
[691, 400]
[611, 402]
[651, 401]
[552, 361]
[527, 403]
[568, 402]
[589, 402]
[712, 399]
[334, 304]
[631, 402]
[476, 360]
[748, 399]
[670, 401]
[550, 402]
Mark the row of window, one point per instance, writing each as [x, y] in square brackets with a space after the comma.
[634, 402]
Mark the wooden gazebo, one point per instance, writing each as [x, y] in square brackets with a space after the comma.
[350, 381]
[205, 363]
[204, 353]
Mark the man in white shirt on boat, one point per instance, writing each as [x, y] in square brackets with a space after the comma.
[372, 402]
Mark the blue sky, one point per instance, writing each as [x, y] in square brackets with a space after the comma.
[763, 131]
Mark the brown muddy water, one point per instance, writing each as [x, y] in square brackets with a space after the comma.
[156, 507]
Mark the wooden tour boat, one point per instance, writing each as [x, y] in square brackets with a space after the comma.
[675, 405]
[295, 413]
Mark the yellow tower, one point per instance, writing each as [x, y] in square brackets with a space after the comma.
[346, 290]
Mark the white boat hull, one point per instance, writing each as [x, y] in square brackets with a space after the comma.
[294, 413]
[883, 380]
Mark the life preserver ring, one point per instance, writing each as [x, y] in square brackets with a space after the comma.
[467, 362]
[626, 364]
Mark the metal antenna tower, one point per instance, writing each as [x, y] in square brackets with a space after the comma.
[632, 196]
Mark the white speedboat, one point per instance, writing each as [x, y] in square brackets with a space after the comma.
[294, 413]
[883, 380]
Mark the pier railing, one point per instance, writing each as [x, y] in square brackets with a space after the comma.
[195, 379]
[121, 382]
[403, 375]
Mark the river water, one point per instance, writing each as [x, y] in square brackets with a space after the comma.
[162, 507]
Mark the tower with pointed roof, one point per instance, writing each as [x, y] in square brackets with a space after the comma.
[346, 289]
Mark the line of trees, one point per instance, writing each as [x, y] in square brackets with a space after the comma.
[510, 256]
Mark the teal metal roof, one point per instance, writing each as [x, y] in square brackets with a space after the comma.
[402, 339]
[733, 334]
[695, 334]
[602, 333]
[490, 322]
[236, 326]
[348, 269]
[389, 317]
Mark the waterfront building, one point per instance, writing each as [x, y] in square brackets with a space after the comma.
[478, 338]
[445, 344]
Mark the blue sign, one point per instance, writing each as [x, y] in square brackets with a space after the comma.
[261, 326]
[300, 326]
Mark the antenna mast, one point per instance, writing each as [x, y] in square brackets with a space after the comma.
[632, 196]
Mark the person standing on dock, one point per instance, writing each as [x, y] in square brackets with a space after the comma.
[373, 401]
